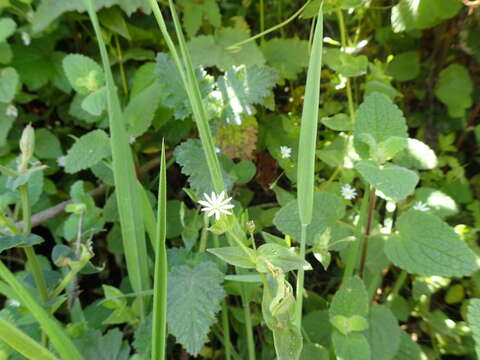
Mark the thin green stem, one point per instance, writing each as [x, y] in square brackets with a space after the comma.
[204, 234]
[371, 208]
[248, 326]
[398, 283]
[300, 279]
[262, 17]
[120, 63]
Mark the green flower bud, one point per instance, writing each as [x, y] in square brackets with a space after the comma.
[27, 145]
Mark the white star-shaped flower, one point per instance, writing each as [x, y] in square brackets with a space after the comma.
[11, 111]
[348, 192]
[286, 152]
[26, 38]
[420, 206]
[216, 205]
[61, 160]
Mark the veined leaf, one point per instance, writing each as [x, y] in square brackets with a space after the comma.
[194, 297]
[383, 334]
[351, 299]
[8, 242]
[351, 346]
[110, 346]
[428, 246]
[280, 257]
[87, 151]
[288, 56]
[83, 73]
[234, 255]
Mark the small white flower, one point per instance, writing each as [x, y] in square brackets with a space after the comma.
[132, 139]
[216, 205]
[61, 161]
[26, 39]
[11, 111]
[348, 192]
[286, 152]
[420, 206]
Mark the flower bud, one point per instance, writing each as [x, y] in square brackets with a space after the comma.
[251, 226]
[27, 144]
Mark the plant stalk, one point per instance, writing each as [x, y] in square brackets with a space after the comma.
[300, 279]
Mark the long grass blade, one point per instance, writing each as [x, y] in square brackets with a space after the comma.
[23, 343]
[159, 325]
[59, 339]
[127, 193]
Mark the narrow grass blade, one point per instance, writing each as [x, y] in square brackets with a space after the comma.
[159, 325]
[59, 339]
[308, 129]
[128, 197]
[23, 343]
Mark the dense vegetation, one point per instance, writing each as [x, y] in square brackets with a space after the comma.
[239, 179]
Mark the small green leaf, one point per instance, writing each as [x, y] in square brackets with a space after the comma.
[47, 145]
[338, 122]
[346, 64]
[405, 66]
[393, 181]
[9, 81]
[278, 256]
[87, 151]
[84, 74]
[428, 246]
[95, 103]
[234, 255]
[195, 12]
[351, 299]
[9, 242]
[140, 111]
[7, 28]
[353, 346]
[288, 56]
[94, 345]
[347, 325]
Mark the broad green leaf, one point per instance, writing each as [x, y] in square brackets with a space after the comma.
[408, 349]
[428, 246]
[405, 66]
[87, 151]
[7, 28]
[242, 87]
[383, 334]
[393, 181]
[379, 118]
[314, 352]
[288, 56]
[473, 317]
[194, 297]
[195, 12]
[345, 64]
[9, 81]
[416, 155]
[94, 345]
[278, 256]
[213, 50]
[191, 157]
[83, 73]
[338, 122]
[437, 201]
[234, 255]
[95, 103]
[454, 88]
[327, 209]
[47, 145]
[9, 242]
[140, 111]
[351, 299]
[318, 334]
[114, 20]
[353, 346]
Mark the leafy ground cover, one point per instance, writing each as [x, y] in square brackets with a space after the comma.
[202, 179]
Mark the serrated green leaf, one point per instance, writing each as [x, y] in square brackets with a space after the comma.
[242, 87]
[327, 209]
[404, 66]
[87, 151]
[351, 299]
[383, 333]
[140, 111]
[191, 157]
[8, 242]
[194, 297]
[454, 88]
[288, 56]
[47, 145]
[9, 81]
[416, 155]
[7, 28]
[95, 103]
[379, 118]
[83, 73]
[279, 256]
[353, 346]
[234, 255]
[393, 181]
[428, 246]
[473, 317]
[345, 64]
[94, 345]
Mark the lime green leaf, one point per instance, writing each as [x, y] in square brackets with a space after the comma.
[416, 155]
[107, 347]
[428, 246]
[7, 28]
[351, 299]
[141, 109]
[288, 56]
[8, 242]
[191, 157]
[327, 209]
[194, 296]
[242, 87]
[346, 64]
[393, 181]
[87, 151]
[405, 66]
[383, 334]
[234, 255]
[195, 12]
[454, 88]
[473, 317]
[96, 102]
[348, 324]
[351, 346]
[409, 349]
[278, 256]
[84, 74]
[9, 80]
[338, 122]
[47, 145]
[379, 118]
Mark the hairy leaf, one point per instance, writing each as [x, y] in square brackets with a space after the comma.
[83, 73]
[351, 299]
[87, 151]
[383, 334]
[94, 345]
[288, 56]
